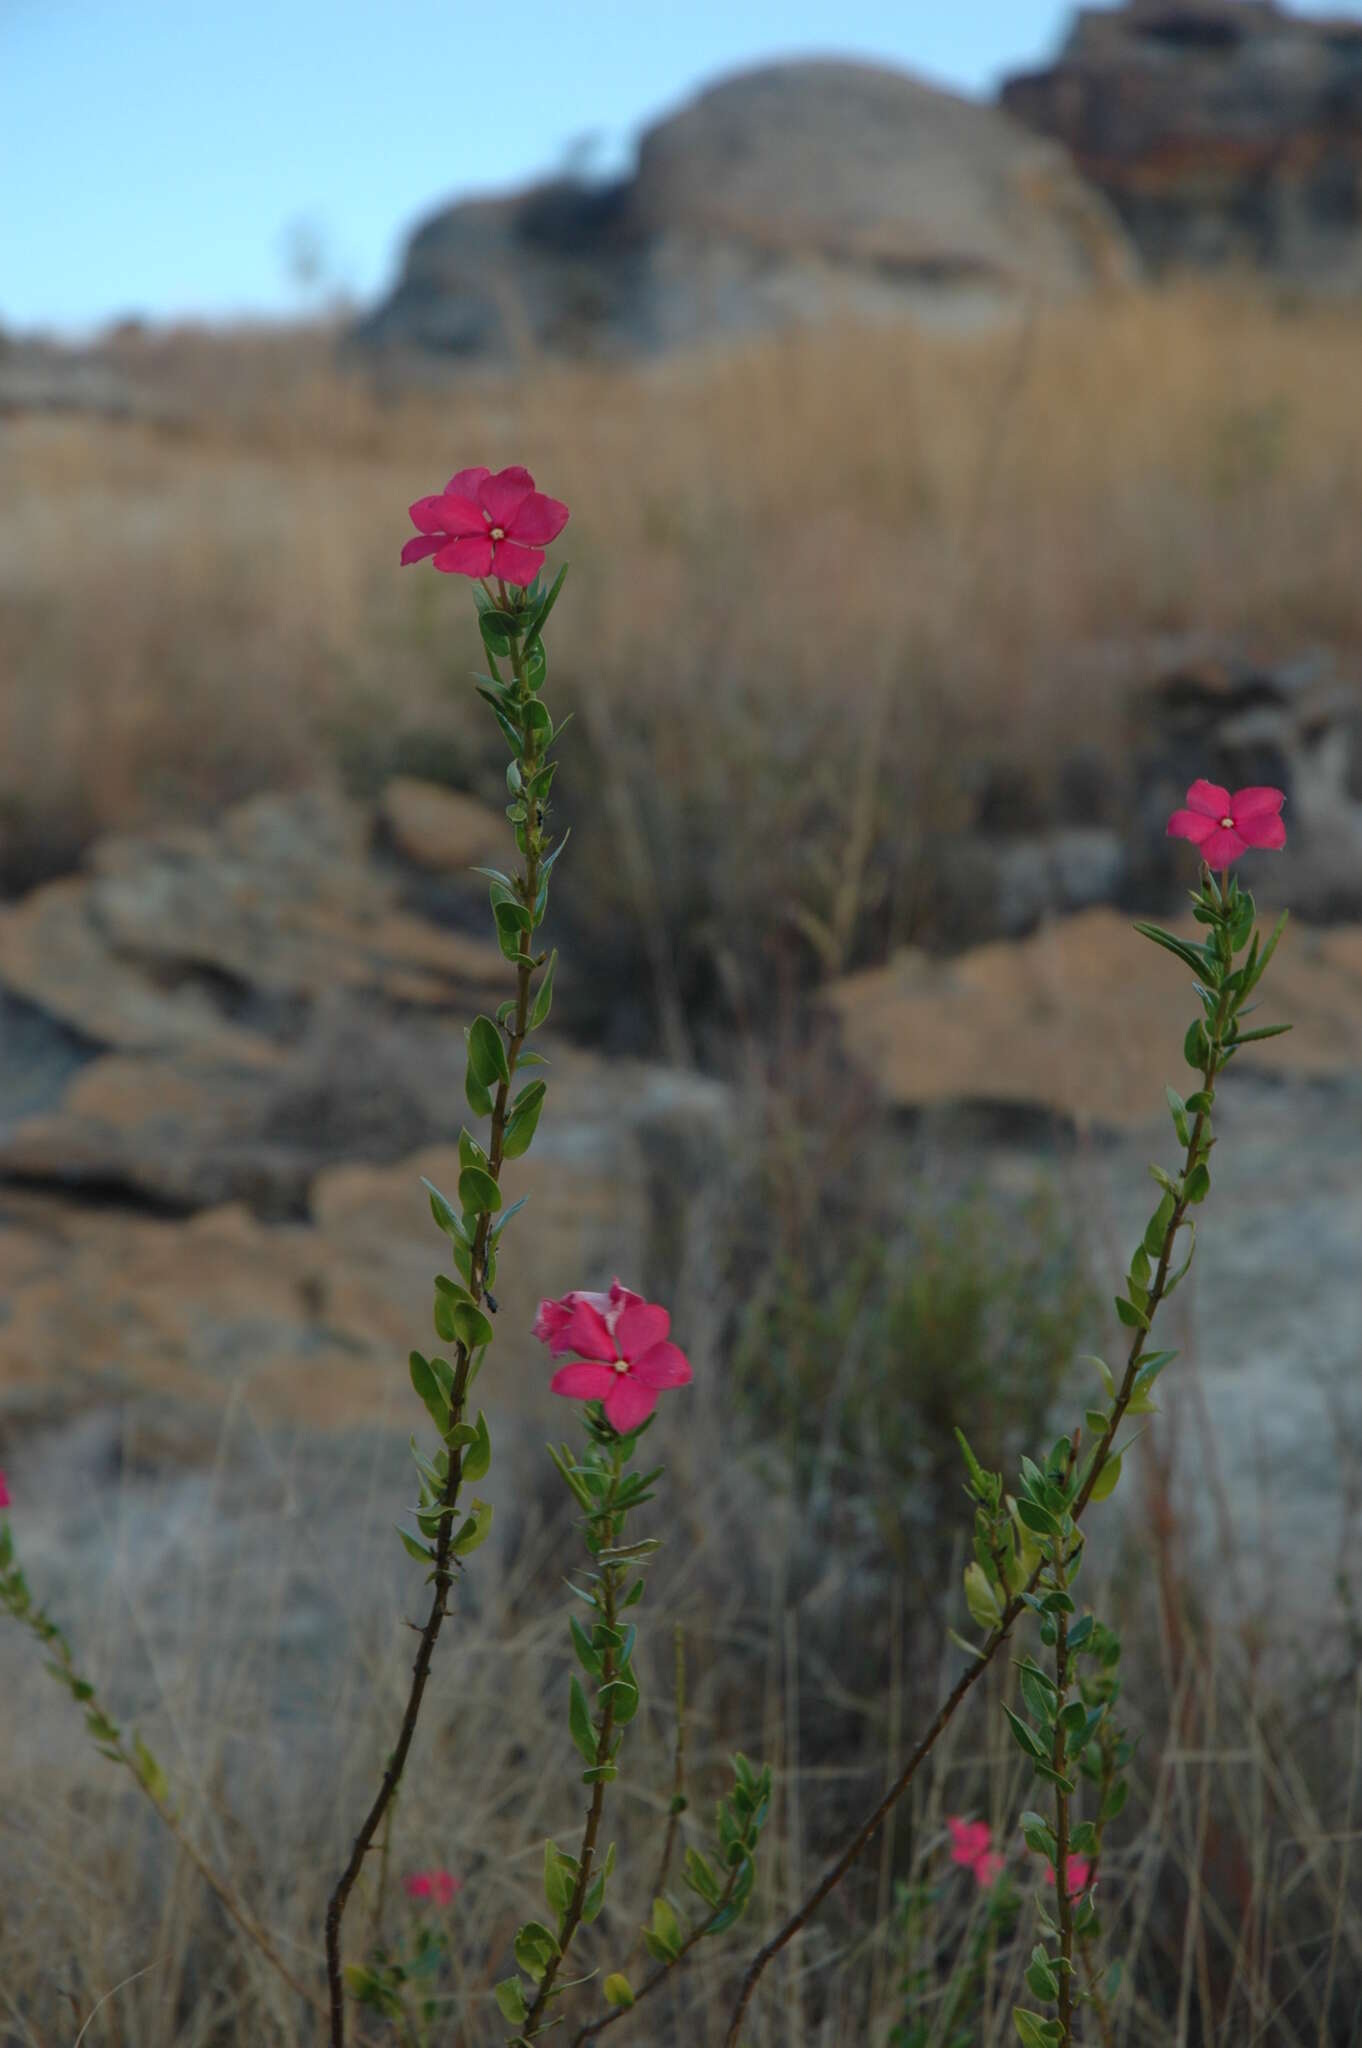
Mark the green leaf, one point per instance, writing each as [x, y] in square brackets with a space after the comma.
[1040, 1977]
[150, 1773]
[510, 1996]
[1133, 1318]
[1157, 1227]
[1033, 2030]
[560, 1877]
[701, 1878]
[1196, 1046]
[523, 1120]
[579, 1721]
[498, 629]
[477, 1097]
[1117, 1794]
[537, 623]
[535, 1948]
[1107, 1479]
[666, 1928]
[478, 1190]
[470, 1324]
[543, 1001]
[478, 1455]
[420, 1551]
[1263, 1031]
[475, 1530]
[1194, 956]
[980, 1598]
[1026, 1736]
[487, 1053]
[616, 1989]
[586, 1654]
[1198, 1184]
[443, 1213]
[1179, 1110]
[428, 1389]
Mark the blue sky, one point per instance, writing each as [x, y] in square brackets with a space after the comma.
[161, 151]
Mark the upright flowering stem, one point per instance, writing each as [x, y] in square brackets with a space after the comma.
[512, 623]
[998, 1594]
[1058, 1761]
[611, 1576]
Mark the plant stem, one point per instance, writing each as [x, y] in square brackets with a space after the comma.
[1015, 1607]
[679, 1773]
[1057, 1761]
[650, 1984]
[572, 1919]
[442, 1575]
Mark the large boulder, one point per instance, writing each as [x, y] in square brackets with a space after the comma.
[1224, 132]
[795, 192]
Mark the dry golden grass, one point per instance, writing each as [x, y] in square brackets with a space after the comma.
[778, 555]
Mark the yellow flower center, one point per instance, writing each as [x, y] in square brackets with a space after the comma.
[497, 533]
[621, 1365]
[1227, 824]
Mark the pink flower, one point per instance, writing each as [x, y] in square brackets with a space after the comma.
[4, 1492]
[485, 525]
[439, 1885]
[624, 1359]
[1080, 1870]
[1222, 826]
[972, 1847]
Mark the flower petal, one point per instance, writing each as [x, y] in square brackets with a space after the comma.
[468, 557]
[1210, 799]
[1222, 847]
[1265, 829]
[1258, 802]
[502, 495]
[585, 1382]
[640, 1325]
[666, 1365]
[516, 564]
[425, 514]
[537, 520]
[460, 516]
[588, 1334]
[420, 545]
[467, 483]
[1193, 825]
[629, 1402]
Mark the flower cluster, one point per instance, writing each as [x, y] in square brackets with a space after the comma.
[972, 1848]
[439, 1886]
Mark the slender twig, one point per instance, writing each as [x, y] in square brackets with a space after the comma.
[572, 1918]
[442, 1576]
[678, 1802]
[1015, 1607]
[650, 1984]
[1057, 1760]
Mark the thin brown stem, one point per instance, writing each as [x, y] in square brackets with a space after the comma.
[1057, 1761]
[572, 1918]
[442, 1576]
[659, 1977]
[968, 1678]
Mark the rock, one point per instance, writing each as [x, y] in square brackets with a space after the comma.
[441, 829]
[1085, 1020]
[220, 939]
[1224, 132]
[312, 1320]
[796, 192]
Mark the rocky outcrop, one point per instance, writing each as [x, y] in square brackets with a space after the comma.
[1224, 132]
[792, 193]
[1082, 1019]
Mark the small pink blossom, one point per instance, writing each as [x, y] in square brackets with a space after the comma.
[485, 525]
[1080, 1870]
[623, 1357]
[1222, 826]
[972, 1848]
[437, 1885]
[4, 1492]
